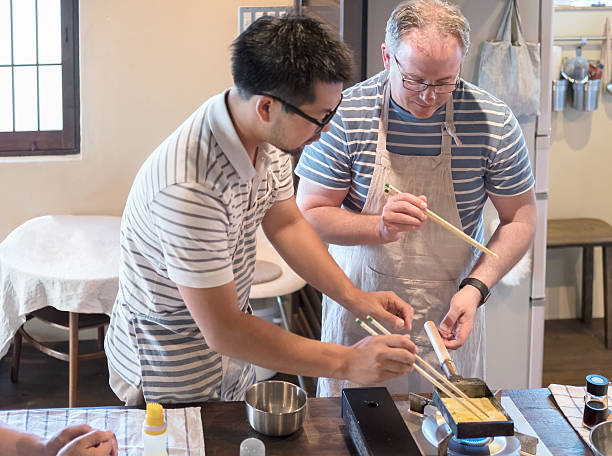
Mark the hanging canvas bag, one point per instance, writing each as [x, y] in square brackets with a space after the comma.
[510, 67]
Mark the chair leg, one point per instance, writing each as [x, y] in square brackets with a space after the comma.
[587, 284]
[100, 338]
[73, 351]
[16, 356]
[607, 273]
[281, 307]
[283, 312]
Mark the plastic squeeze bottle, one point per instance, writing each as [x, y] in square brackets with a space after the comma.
[154, 431]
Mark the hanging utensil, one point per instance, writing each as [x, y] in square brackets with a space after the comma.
[608, 63]
[576, 69]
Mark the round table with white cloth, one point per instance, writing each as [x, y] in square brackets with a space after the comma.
[68, 262]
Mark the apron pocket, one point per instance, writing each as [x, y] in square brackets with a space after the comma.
[430, 299]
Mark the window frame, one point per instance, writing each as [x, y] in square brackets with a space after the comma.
[66, 141]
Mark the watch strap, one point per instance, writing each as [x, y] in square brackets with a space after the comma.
[479, 285]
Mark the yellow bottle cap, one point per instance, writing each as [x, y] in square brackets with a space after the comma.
[155, 415]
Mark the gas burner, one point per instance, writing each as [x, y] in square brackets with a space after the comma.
[483, 441]
[435, 429]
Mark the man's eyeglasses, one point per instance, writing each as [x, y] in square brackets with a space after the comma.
[294, 109]
[416, 86]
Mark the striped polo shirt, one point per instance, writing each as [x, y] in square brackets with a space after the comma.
[493, 158]
[190, 219]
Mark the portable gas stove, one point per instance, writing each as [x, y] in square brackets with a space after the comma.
[438, 435]
[378, 426]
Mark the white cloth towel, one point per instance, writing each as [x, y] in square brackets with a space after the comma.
[570, 399]
[69, 262]
[185, 435]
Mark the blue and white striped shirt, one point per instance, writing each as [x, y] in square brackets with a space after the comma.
[493, 158]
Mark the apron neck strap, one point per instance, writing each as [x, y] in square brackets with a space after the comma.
[383, 124]
[449, 124]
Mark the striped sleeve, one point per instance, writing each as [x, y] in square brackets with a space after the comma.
[285, 175]
[192, 224]
[327, 161]
[509, 172]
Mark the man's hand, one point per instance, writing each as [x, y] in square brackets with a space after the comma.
[403, 212]
[458, 322]
[379, 358]
[81, 441]
[384, 306]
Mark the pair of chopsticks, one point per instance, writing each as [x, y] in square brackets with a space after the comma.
[463, 399]
[452, 228]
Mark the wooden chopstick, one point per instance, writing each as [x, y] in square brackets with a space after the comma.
[428, 377]
[450, 227]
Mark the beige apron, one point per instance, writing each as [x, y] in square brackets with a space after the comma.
[423, 268]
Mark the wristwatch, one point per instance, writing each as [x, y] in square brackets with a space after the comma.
[479, 285]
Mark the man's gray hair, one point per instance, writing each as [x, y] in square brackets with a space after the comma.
[436, 15]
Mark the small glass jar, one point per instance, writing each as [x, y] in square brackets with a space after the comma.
[595, 401]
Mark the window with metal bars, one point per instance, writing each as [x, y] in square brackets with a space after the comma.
[39, 90]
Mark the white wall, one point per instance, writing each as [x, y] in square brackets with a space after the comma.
[145, 66]
[580, 164]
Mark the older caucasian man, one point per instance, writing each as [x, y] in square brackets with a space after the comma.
[421, 128]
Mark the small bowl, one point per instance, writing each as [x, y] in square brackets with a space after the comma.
[275, 408]
[601, 438]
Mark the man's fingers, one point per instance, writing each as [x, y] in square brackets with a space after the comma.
[96, 438]
[417, 201]
[70, 433]
[402, 341]
[401, 220]
[115, 450]
[403, 212]
[394, 368]
[396, 322]
[400, 312]
[447, 325]
[105, 449]
[399, 355]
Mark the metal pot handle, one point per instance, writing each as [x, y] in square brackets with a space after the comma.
[446, 362]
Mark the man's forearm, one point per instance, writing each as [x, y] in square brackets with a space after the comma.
[257, 341]
[19, 444]
[510, 241]
[343, 227]
[233, 333]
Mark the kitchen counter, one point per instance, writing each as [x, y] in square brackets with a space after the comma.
[225, 426]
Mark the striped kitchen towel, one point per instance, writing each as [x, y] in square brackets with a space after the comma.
[570, 399]
[185, 435]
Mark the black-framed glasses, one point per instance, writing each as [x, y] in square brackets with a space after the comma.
[294, 109]
[416, 86]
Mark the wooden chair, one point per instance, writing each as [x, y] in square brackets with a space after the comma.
[587, 233]
[67, 321]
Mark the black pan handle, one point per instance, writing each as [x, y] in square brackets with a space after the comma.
[446, 362]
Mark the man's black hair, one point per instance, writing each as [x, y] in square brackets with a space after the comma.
[286, 56]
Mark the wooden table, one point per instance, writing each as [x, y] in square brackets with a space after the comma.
[587, 233]
[225, 426]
